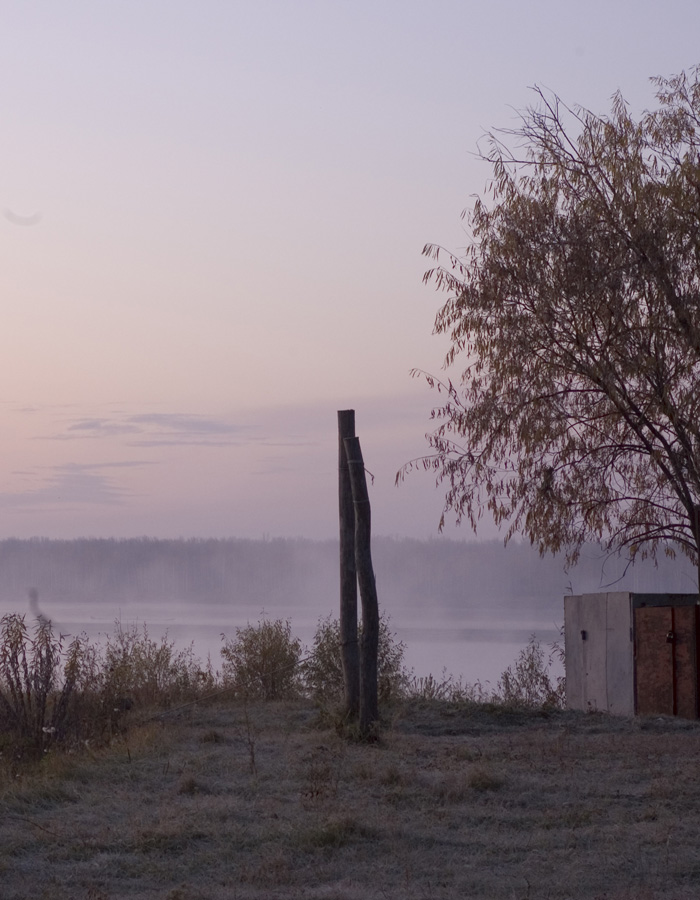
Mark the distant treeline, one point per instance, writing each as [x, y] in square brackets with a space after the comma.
[412, 575]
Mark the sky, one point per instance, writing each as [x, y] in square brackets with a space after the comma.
[212, 222]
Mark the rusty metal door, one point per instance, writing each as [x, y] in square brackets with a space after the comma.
[666, 651]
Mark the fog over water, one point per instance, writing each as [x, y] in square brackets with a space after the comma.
[464, 607]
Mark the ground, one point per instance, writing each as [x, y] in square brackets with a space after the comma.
[268, 801]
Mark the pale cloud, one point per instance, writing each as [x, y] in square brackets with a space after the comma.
[95, 428]
[71, 486]
[173, 429]
[183, 429]
[184, 423]
[154, 430]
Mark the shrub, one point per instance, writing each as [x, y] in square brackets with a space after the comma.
[138, 669]
[263, 661]
[35, 700]
[51, 695]
[323, 673]
[528, 682]
[80, 707]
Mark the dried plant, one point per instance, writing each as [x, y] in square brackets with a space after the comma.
[263, 661]
[528, 682]
[51, 695]
[34, 699]
[323, 673]
[138, 669]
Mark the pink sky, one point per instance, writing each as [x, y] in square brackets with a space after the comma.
[212, 233]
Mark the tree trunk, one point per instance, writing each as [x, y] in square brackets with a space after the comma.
[369, 645]
[350, 653]
[696, 535]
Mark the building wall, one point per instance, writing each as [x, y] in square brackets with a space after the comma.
[599, 654]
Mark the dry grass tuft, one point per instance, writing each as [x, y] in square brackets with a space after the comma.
[483, 779]
[212, 737]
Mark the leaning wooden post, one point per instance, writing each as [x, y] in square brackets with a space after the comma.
[350, 653]
[369, 644]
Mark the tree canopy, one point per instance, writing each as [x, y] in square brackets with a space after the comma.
[574, 316]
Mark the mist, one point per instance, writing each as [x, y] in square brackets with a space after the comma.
[464, 607]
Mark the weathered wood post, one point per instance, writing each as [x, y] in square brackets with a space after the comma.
[350, 653]
[369, 645]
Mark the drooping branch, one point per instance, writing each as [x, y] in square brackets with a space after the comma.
[577, 310]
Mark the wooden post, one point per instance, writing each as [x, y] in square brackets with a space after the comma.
[369, 645]
[350, 652]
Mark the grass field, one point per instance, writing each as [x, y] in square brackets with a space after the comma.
[232, 801]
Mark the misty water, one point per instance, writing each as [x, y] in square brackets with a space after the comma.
[477, 651]
[467, 609]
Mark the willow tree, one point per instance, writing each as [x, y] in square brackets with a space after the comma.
[574, 318]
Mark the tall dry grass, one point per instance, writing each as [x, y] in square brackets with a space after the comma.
[52, 695]
[58, 696]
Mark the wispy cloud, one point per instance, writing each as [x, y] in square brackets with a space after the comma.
[93, 428]
[169, 429]
[183, 423]
[71, 485]
[155, 430]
